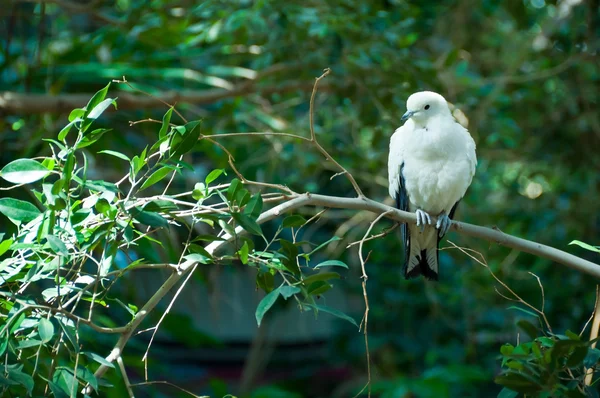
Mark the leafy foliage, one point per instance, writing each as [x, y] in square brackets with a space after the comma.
[522, 75]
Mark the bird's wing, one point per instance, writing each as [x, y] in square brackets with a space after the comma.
[395, 160]
[471, 155]
[397, 184]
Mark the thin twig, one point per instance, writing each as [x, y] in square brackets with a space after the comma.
[125, 377]
[379, 235]
[589, 373]
[365, 322]
[313, 136]
[259, 134]
[516, 298]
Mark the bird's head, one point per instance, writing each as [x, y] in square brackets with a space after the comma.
[424, 105]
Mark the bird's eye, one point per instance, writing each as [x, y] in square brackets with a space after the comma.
[426, 107]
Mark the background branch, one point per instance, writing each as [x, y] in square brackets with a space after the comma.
[12, 102]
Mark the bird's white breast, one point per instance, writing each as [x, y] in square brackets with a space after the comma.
[439, 163]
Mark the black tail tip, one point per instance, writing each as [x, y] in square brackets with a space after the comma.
[421, 269]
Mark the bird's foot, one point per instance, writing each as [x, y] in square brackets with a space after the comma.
[443, 224]
[422, 219]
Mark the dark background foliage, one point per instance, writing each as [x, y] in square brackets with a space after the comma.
[524, 75]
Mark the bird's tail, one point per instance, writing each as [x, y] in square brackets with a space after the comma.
[423, 253]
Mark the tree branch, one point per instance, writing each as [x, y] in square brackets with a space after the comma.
[12, 102]
[362, 203]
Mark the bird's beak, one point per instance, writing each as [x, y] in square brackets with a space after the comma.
[407, 115]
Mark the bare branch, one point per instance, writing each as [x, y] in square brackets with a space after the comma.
[22, 103]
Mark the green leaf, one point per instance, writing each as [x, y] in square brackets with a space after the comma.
[190, 138]
[91, 138]
[95, 100]
[243, 253]
[18, 210]
[591, 358]
[586, 246]
[57, 390]
[197, 258]
[149, 218]
[96, 112]
[227, 227]
[23, 171]
[518, 382]
[573, 336]
[88, 377]
[69, 332]
[233, 188]
[15, 374]
[507, 349]
[523, 310]
[288, 291]
[577, 357]
[290, 252]
[65, 130]
[293, 221]
[247, 223]
[332, 311]
[265, 281]
[164, 127]
[331, 263]
[265, 304]
[242, 197]
[199, 191]
[76, 113]
[254, 206]
[116, 154]
[28, 343]
[159, 205]
[213, 175]
[317, 288]
[45, 330]
[4, 246]
[528, 328]
[57, 245]
[322, 245]
[156, 177]
[64, 378]
[507, 393]
[322, 276]
[3, 344]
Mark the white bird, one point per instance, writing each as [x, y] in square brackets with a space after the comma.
[431, 164]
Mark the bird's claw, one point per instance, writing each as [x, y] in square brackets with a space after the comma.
[443, 224]
[422, 219]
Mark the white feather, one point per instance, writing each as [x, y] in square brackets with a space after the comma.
[439, 163]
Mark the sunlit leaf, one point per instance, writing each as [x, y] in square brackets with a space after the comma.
[586, 246]
[156, 177]
[23, 171]
[213, 175]
[116, 154]
[164, 128]
[243, 253]
[18, 210]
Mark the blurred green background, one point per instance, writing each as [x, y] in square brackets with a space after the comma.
[523, 75]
